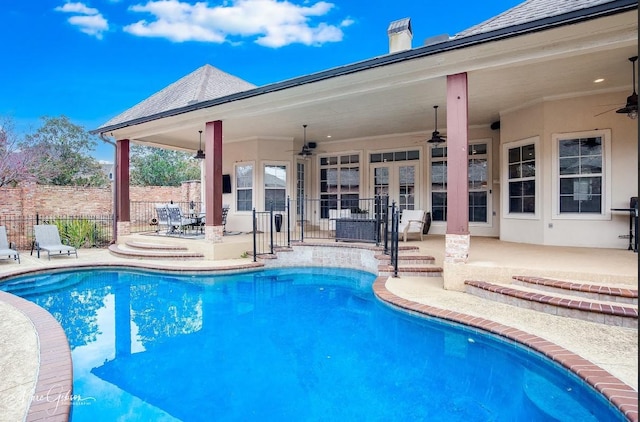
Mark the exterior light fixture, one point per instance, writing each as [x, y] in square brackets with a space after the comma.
[631, 108]
[200, 154]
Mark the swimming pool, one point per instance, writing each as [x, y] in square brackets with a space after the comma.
[288, 344]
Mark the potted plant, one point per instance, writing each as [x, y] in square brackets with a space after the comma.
[358, 212]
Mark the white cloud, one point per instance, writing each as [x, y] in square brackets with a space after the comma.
[271, 23]
[86, 19]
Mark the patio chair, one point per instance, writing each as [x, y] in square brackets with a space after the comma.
[48, 239]
[163, 217]
[225, 211]
[411, 222]
[6, 248]
[177, 222]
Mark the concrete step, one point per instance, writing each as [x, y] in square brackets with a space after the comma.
[154, 246]
[124, 252]
[567, 305]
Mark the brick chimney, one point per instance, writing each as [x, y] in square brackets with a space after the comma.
[400, 35]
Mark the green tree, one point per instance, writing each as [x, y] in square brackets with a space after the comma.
[161, 167]
[64, 154]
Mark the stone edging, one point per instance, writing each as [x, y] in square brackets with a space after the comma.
[53, 393]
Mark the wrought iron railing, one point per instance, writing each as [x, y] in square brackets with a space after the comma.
[362, 220]
[81, 231]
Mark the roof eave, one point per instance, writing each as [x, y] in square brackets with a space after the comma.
[599, 11]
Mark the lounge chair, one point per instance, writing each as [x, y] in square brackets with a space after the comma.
[7, 249]
[411, 222]
[48, 239]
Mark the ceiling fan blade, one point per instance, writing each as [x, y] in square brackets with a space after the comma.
[606, 111]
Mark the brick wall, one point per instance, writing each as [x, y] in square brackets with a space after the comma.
[32, 199]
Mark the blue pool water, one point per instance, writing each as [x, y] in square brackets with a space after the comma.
[308, 344]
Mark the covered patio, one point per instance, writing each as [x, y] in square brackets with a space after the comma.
[514, 85]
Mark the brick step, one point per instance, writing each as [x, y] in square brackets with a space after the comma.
[571, 306]
[385, 270]
[122, 252]
[154, 246]
[618, 294]
[407, 259]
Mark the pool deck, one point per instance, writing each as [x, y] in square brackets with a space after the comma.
[29, 371]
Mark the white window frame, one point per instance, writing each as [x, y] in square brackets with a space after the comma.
[535, 140]
[287, 179]
[338, 166]
[488, 189]
[605, 206]
[239, 188]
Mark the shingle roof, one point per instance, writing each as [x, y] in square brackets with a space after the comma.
[205, 83]
[529, 11]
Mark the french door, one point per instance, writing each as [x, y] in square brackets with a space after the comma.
[398, 180]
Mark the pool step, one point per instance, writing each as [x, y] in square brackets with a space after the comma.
[410, 270]
[158, 252]
[585, 301]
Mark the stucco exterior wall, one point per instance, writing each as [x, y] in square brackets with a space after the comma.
[552, 117]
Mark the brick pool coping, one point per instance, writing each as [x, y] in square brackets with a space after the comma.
[52, 395]
[55, 373]
[619, 394]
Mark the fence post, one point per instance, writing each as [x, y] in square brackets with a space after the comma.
[271, 228]
[301, 208]
[255, 248]
[288, 222]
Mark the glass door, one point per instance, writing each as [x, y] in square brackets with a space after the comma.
[399, 181]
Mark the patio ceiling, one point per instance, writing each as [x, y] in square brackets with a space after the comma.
[398, 98]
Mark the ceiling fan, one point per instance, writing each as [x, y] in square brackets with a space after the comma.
[436, 138]
[631, 108]
[306, 150]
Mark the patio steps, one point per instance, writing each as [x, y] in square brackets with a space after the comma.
[143, 250]
[617, 306]
[410, 264]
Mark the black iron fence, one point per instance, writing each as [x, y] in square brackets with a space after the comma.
[363, 220]
[81, 231]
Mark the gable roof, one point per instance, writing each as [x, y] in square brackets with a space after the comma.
[204, 83]
[529, 11]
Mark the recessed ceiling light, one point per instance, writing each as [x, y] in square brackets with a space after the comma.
[597, 81]
[328, 136]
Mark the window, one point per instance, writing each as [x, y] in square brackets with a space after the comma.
[478, 174]
[521, 176]
[339, 182]
[580, 164]
[300, 187]
[244, 187]
[478, 186]
[439, 183]
[275, 187]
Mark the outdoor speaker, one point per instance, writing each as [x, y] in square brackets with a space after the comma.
[226, 183]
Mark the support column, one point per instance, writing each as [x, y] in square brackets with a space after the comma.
[457, 238]
[122, 207]
[213, 229]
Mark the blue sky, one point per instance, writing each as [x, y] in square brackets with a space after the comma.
[91, 60]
